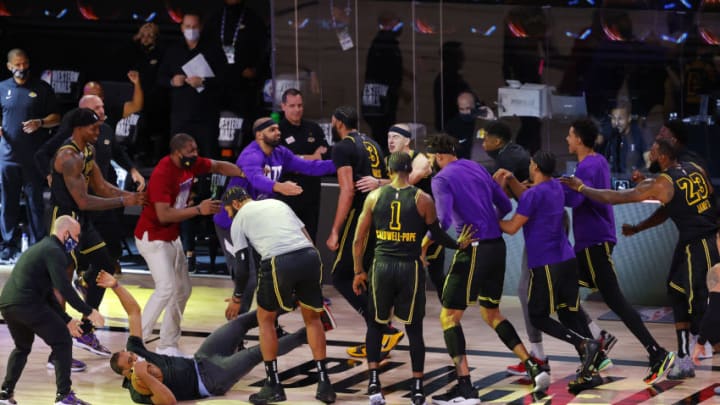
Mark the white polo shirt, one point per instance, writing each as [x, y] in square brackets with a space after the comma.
[270, 226]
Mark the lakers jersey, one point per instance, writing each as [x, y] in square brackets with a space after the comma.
[59, 194]
[691, 208]
[399, 228]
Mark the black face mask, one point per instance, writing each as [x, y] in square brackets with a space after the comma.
[467, 117]
[187, 161]
[20, 73]
[335, 135]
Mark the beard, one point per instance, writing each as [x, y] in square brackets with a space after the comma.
[654, 167]
[335, 135]
[435, 166]
[271, 142]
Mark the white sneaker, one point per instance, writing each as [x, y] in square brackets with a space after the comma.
[172, 351]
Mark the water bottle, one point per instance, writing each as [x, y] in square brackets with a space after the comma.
[24, 242]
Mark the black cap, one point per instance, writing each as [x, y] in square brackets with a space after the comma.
[236, 193]
[81, 117]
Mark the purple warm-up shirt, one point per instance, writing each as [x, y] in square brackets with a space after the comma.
[593, 222]
[262, 171]
[465, 193]
[544, 231]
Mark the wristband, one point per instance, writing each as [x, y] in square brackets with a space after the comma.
[122, 201]
[236, 299]
[42, 122]
[378, 180]
[359, 273]
[580, 189]
[117, 284]
[197, 207]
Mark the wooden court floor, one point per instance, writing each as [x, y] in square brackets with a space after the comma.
[487, 356]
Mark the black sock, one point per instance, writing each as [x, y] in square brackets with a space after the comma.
[464, 381]
[322, 370]
[417, 385]
[654, 351]
[271, 371]
[683, 337]
[374, 377]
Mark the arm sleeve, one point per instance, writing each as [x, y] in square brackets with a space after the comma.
[308, 167]
[443, 201]
[252, 165]
[120, 155]
[441, 237]
[242, 274]
[56, 264]
[500, 199]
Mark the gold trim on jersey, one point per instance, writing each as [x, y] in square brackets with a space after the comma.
[551, 296]
[470, 277]
[690, 280]
[438, 249]
[93, 248]
[348, 221]
[373, 282]
[276, 287]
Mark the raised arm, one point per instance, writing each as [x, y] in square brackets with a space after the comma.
[138, 97]
[128, 302]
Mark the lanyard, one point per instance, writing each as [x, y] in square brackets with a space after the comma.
[348, 11]
[237, 27]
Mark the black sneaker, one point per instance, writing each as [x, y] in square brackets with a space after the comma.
[540, 378]
[191, 264]
[607, 340]
[660, 367]
[589, 357]
[6, 398]
[269, 393]
[417, 398]
[457, 395]
[584, 383]
[325, 392]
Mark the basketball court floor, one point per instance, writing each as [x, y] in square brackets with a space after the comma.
[487, 356]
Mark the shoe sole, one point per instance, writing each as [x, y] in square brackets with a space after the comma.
[267, 401]
[517, 373]
[467, 401]
[605, 364]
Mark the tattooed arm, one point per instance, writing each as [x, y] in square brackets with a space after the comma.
[70, 164]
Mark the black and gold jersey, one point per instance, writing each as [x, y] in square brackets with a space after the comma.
[399, 228]
[691, 208]
[59, 194]
[365, 157]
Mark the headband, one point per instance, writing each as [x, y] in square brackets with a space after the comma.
[264, 125]
[401, 131]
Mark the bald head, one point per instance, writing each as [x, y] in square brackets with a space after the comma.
[94, 88]
[94, 103]
[66, 225]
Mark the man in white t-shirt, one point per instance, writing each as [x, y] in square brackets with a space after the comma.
[290, 271]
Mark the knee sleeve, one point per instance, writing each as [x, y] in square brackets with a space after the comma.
[455, 341]
[507, 334]
[417, 345]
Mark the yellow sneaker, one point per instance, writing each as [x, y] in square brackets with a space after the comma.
[391, 340]
[357, 351]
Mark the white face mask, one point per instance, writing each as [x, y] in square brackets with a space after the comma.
[192, 34]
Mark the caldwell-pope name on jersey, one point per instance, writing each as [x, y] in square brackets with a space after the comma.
[396, 236]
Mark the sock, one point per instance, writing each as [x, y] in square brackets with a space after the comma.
[464, 382]
[654, 351]
[537, 350]
[374, 377]
[271, 371]
[683, 337]
[322, 370]
[417, 385]
[594, 329]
